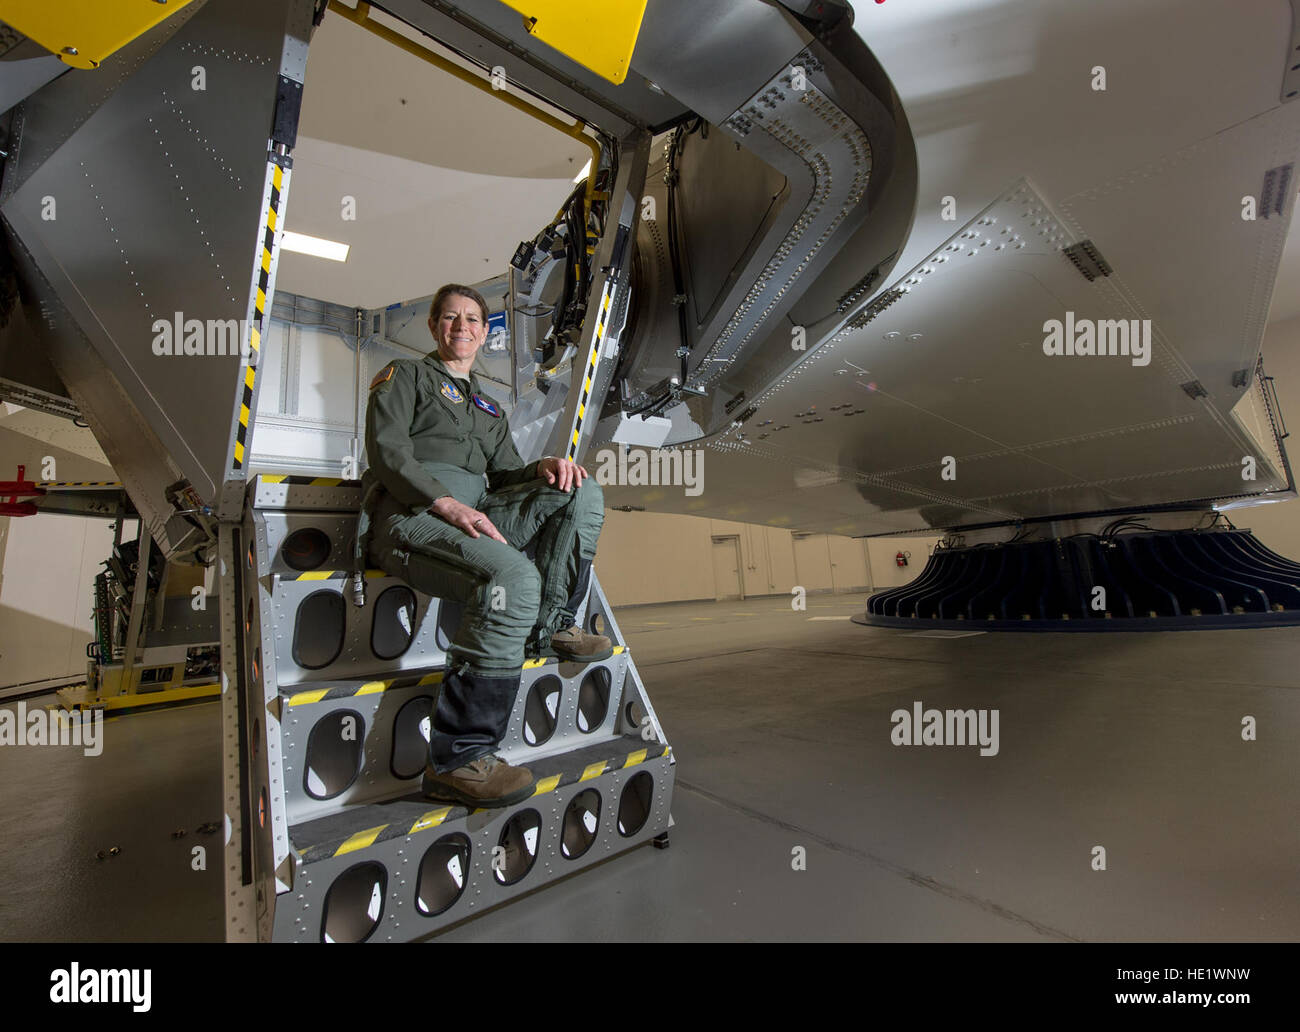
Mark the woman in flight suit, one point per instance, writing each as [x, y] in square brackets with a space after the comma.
[431, 436]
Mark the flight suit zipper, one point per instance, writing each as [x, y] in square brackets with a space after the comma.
[436, 381]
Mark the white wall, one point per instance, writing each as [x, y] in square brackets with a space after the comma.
[46, 594]
[647, 557]
[1278, 525]
[47, 562]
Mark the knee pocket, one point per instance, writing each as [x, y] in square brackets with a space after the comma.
[522, 583]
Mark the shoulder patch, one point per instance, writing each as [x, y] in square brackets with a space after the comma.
[383, 376]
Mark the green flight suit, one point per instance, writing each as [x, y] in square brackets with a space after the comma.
[431, 433]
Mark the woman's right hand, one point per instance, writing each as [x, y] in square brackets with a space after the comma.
[468, 519]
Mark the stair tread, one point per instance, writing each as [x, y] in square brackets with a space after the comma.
[359, 827]
[305, 692]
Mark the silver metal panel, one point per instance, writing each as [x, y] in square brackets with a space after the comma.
[299, 913]
[157, 193]
[1291, 77]
[828, 160]
[728, 196]
[51, 115]
[244, 900]
[264, 780]
[1190, 203]
[24, 69]
[712, 55]
[826, 120]
[853, 438]
[133, 450]
[272, 491]
[339, 529]
[379, 709]
[375, 780]
[355, 658]
[492, 34]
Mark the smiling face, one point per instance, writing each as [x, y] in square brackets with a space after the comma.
[460, 330]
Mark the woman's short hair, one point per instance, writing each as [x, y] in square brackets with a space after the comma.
[450, 289]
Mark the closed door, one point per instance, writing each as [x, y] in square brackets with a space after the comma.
[848, 563]
[726, 569]
[812, 563]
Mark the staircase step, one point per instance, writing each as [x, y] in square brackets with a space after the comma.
[360, 740]
[405, 868]
[359, 827]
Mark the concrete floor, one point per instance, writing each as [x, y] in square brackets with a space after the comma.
[780, 721]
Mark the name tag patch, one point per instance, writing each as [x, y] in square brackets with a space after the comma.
[452, 392]
[486, 405]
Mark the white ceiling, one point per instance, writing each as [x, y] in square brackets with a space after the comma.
[448, 180]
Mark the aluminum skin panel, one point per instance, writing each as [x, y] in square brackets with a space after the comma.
[852, 440]
[158, 194]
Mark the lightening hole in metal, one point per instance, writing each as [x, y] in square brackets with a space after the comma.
[633, 714]
[411, 730]
[354, 904]
[634, 804]
[393, 625]
[306, 549]
[593, 699]
[444, 871]
[542, 709]
[318, 630]
[581, 822]
[519, 840]
[334, 754]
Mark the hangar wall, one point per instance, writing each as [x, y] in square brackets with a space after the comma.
[648, 557]
[46, 594]
[48, 563]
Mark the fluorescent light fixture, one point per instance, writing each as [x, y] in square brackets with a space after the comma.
[314, 246]
[583, 174]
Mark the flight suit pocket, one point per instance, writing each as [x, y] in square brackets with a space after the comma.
[430, 393]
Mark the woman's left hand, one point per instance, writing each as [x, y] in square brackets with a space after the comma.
[561, 473]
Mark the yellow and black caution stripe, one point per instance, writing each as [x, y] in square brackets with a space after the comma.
[328, 575]
[589, 377]
[55, 484]
[350, 691]
[413, 816]
[294, 481]
[270, 220]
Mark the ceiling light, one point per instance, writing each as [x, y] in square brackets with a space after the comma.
[314, 246]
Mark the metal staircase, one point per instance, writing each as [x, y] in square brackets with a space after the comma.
[335, 725]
